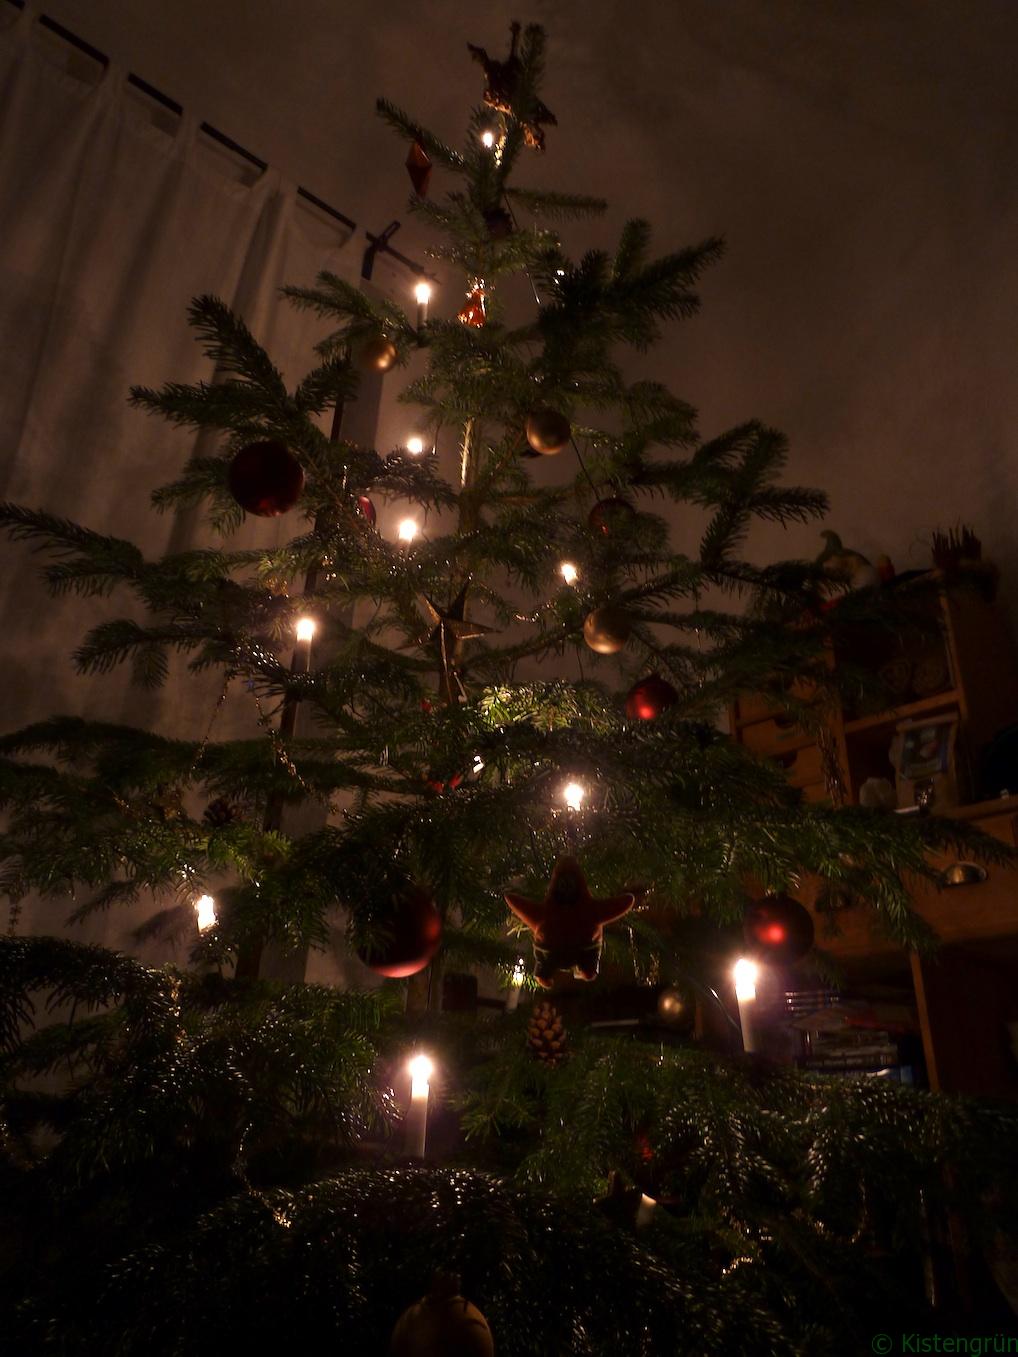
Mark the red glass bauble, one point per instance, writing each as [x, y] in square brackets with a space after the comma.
[649, 698]
[414, 930]
[777, 929]
[366, 509]
[265, 478]
[499, 223]
[611, 515]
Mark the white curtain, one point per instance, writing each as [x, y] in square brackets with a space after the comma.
[108, 226]
[112, 217]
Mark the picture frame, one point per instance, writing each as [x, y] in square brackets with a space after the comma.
[924, 757]
[926, 748]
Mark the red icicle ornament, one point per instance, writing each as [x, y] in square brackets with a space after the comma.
[418, 167]
[474, 313]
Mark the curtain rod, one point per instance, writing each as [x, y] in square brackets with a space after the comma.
[376, 243]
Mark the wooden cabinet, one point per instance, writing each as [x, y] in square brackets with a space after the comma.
[966, 994]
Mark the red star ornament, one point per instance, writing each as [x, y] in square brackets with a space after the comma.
[568, 924]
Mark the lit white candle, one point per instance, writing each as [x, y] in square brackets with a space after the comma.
[573, 794]
[415, 445]
[512, 999]
[305, 629]
[422, 292]
[569, 572]
[745, 973]
[645, 1211]
[407, 530]
[488, 139]
[421, 1069]
[205, 913]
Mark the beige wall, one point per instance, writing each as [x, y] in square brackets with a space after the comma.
[859, 154]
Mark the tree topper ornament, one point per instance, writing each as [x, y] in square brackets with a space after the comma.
[568, 924]
[502, 92]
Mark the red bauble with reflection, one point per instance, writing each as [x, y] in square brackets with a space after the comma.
[366, 509]
[413, 932]
[777, 929]
[611, 515]
[265, 478]
[649, 698]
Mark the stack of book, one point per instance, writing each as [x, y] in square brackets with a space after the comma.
[851, 1036]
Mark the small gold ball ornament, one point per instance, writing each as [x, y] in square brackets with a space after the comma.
[442, 1324]
[376, 354]
[547, 431]
[671, 1005]
[607, 629]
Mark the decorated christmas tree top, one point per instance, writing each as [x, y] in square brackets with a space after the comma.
[467, 747]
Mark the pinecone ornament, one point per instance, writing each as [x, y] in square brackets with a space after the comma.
[546, 1033]
[221, 812]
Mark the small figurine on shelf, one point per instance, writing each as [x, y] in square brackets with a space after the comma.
[885, 569]
[876, 793]
[846, 566]
[958, 552]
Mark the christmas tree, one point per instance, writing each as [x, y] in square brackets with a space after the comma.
[204, 1159]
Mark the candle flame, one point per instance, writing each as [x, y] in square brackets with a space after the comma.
[205, 912]
[407, 529]
[422, 293]
[573, 794]
[421, 1068]
[745, 973]
[569, 572]
[305, 628]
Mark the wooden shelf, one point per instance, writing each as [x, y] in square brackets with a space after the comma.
[743, 721]
[891, 717]
[983, 810]
[967, 993]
